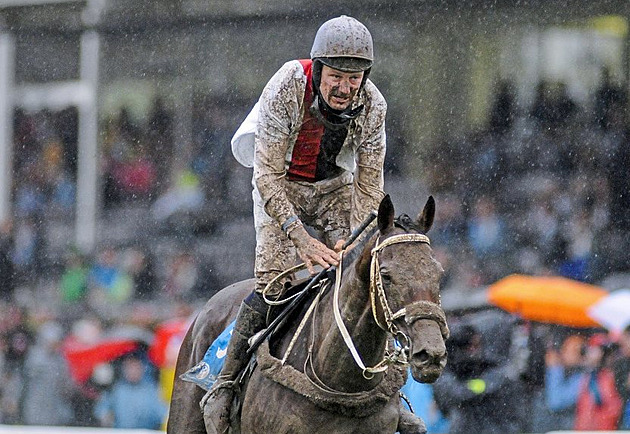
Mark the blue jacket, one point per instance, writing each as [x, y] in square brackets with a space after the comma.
[132, 405]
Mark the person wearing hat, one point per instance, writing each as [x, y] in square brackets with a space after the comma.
[316, 142]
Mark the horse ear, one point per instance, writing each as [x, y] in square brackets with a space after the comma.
[425, 219]
[385, 214]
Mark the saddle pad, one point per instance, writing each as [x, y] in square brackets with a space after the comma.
[205, 373]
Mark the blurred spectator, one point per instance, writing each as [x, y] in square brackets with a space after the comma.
[135, 176]
[47, 391]
[599, 405]
[108, 283]
[578, 247]
[487, 234]
[477, 393]
[618, 159]
[562, 382]
[608, 98]
[450, 222]
[73, 281]
[182, 276]
[621, 370]
[7, 269]
[160, 140]
[185, 195]
[29, 247]
[86, 331]
[134, 399]
[553, 106]
[503, 111]
[17, 338]
[139, 263]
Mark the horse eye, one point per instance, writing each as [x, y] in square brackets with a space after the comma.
[386, 278]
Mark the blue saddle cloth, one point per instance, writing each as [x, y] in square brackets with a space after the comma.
[205, 373]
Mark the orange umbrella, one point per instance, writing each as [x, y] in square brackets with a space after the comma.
[548, 299]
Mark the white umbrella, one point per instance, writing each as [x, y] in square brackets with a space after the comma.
[612, 311]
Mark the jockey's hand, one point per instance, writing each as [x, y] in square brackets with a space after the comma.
[339, 246]
[311, 251]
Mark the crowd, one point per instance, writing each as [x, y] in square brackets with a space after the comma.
[538, 190]
[533, 378]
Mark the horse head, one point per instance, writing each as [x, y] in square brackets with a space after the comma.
[405, 289]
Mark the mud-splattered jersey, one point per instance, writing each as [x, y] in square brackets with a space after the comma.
[280, 118]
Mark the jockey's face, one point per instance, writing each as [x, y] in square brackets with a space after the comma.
[339, 88]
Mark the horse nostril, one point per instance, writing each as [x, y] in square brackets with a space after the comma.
[422, 357]
[425, 357]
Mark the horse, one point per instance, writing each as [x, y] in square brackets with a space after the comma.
[340, 367]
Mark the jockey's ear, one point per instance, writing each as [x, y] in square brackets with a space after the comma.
[425, 219]
[385, 214]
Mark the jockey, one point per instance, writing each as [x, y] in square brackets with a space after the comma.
[318, 153]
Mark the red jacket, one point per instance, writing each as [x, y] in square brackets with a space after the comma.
[591, 415]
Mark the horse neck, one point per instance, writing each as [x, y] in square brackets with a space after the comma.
[332, 361]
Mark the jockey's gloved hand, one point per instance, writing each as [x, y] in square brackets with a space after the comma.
[311, 251]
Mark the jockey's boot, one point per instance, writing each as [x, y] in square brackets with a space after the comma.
[409, 423]
[217, 403]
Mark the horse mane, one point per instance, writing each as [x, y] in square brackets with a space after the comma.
[406, 223]
[353, 255]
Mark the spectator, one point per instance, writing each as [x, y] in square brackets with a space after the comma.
[160, 139]
[486, 229]
[133, 401]
[599, 405]
[47, 391]
[73, 281]
[608, 97]
[182, 276]
[86, 332]
[107, 282]
[476, 393]
[184, 196]
[7, 269]
[17, 343]
[139, 263]
[562, 382]
[553, 107]
[503, 111]
[621, 369]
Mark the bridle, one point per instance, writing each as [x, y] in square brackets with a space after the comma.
[378, 297]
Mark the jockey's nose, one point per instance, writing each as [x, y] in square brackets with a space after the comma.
[345, 86]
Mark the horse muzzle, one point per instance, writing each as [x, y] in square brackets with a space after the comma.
[428, 351]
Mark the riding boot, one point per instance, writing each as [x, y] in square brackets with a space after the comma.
[409, 423]
[217, 403]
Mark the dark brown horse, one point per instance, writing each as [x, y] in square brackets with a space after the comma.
[337, 370]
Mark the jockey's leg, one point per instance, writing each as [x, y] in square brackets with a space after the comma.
[217, 402]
